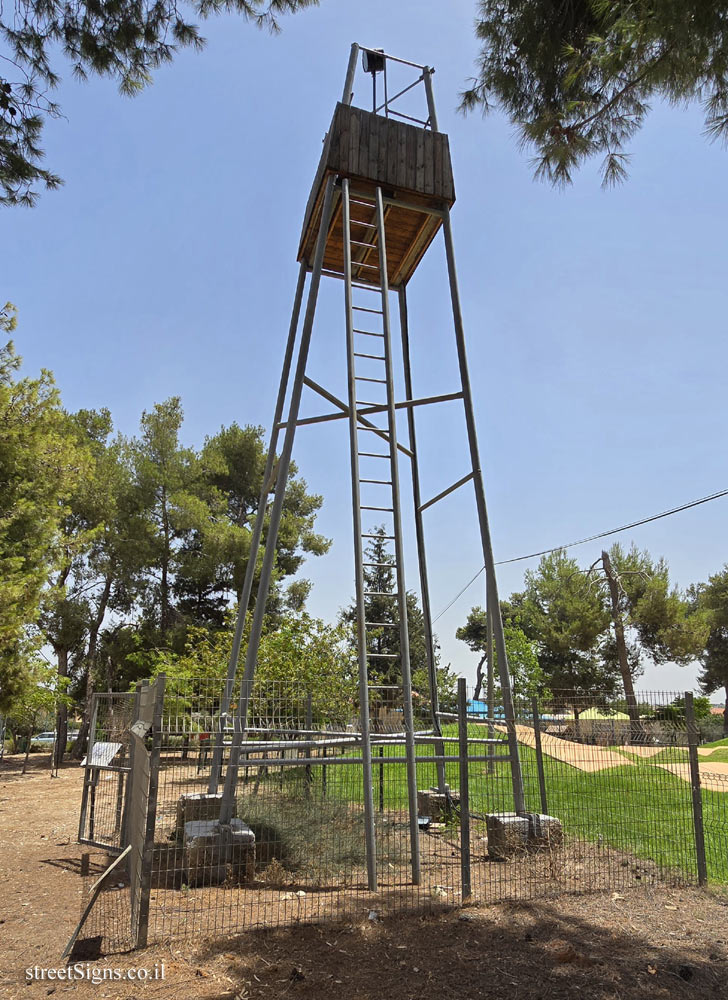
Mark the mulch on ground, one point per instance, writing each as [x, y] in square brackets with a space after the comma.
[630, 945]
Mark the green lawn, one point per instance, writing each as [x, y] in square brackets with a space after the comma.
[720, 755]
[674, 754]
[640, 808]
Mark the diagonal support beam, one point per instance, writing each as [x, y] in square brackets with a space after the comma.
[331, 398]
[447, 492]
[405, 404]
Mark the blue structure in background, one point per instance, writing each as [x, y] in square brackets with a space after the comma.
[478, 707]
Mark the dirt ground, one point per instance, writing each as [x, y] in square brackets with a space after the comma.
[643, 943]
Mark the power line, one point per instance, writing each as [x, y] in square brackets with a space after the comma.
[583, 541]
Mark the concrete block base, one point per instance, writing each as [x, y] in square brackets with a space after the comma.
[215, 853]
[434, 804]
[510, 834]
[195, 807]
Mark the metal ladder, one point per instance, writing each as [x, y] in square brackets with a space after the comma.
[368, 340]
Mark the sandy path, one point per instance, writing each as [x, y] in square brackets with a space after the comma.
[580, 755]
[714, 777]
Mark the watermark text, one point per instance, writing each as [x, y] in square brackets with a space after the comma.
[84, 971]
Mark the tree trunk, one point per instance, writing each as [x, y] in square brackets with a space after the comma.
[164, 587]
[79, 746]
[62, 711]
[479, 677]
[725, 712]
[632, 709]
[27, 751]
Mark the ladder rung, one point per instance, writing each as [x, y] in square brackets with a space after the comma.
[380, 593]
[365, 378]
[374, 357]
[360, 243]
[368, 333]
[364, 309]
[360, 263]
[394, 625]
[393, 565]
[384, 656]
[361, 222]
[376, 430]
[367, 288]
[378, 482]
[388, 538]
[372, 454]
[365, 506]
[365, 402]
[360, 201]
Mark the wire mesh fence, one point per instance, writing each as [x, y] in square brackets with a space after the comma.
[106, 771]
[609, 803]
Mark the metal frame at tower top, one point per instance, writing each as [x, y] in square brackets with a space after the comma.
[350, 218]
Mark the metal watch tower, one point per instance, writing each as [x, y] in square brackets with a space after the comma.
[382, 191]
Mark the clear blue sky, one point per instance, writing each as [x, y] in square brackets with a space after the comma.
[596, 320]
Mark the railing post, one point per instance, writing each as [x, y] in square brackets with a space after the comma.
[539, 756]
[692, 731]
[464, 790]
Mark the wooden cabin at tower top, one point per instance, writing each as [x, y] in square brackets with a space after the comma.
[412, 166]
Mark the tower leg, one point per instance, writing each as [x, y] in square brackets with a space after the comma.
[256, 535]
[228, 799]
[490, 695]
[421, 551]
[492, 586]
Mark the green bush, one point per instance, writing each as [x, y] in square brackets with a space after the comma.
[313, 838]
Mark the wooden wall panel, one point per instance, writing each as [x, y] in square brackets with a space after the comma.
[406, 161]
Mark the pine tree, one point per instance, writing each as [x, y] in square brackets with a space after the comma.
[380, 578]
[577, 79]
[713, 597]
[39, 469]
[124, 39]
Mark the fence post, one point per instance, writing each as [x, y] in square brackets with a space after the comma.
[309, 737]
[464, 790]
[692, 731]
[539, 756]
[143, 815]
[124, 837]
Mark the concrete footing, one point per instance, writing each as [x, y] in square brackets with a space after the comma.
[510, 834]
[215, 853]
[196, 807]
[435, 804]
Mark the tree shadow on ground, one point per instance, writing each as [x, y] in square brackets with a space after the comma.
[39, 765]
[601, 947]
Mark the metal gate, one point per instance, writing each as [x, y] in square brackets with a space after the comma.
[107, 769]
